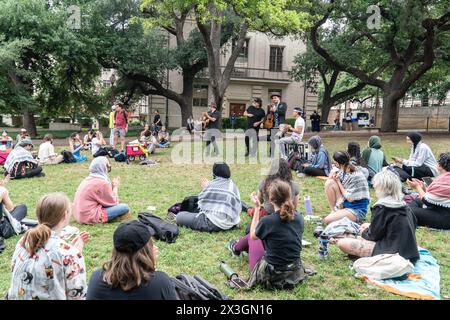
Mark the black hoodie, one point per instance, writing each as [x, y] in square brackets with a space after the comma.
[394, 231]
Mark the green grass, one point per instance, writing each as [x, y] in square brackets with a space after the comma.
[200, 253]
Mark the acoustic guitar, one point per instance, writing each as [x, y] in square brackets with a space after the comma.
[270, 118]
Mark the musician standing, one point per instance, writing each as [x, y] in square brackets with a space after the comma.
[279, 113]
[212, 128]
[255, 117]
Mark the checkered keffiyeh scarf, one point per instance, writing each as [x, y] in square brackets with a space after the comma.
[18, 155]
[355, 185]
[220, 201]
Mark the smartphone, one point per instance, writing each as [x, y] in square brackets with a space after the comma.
[427, 181]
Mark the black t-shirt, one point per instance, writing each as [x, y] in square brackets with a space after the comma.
[156, 119]
[159, 287]
[214, 124]
[315, 118]
[258, 115]
[282, 240]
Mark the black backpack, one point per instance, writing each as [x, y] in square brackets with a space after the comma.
[68, 157]
[190, 204]
[163, 230]
[102, 152]
[120, 157]
[196, 288]
[112, 152]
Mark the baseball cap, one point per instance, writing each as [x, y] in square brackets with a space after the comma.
[25, 142]
[131, 236]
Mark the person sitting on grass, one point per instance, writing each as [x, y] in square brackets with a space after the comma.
[87, 139]
[219, 203]
[23, 134]
[347, 191]
[432, 209]
[131, 273]
[421, 162]
[76, 145]
[321, 163]
[163, 138]
[97, 198]
[98, 144]
[354, 150]
[279, 170]
[146, 129]
[148, 139]
[393, 225]
[44, 266]
[18, 212]
[275, 241]
[372, 157]
[47, 153]
[21, 163]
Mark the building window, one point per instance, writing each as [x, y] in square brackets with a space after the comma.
[106, 83]
[276, 59]
[200, 98]
[243, 55]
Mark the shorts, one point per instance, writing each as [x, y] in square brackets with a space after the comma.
[358, 208]
[120, 132]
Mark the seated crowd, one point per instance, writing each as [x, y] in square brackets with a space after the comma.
[48, 266]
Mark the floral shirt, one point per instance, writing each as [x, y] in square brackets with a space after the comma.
[55, 272]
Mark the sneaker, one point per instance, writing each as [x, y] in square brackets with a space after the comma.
[231, 246]
[171, 217]
[124, 217]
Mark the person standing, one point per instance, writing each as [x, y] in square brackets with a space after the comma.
[120, 126]
[296, 133]
[157, 123]
[212, 128]
[111, 125]
[255, 117]
[233, 121]
[278, 109]
[348, 120]
[337, 120]
[315, 122]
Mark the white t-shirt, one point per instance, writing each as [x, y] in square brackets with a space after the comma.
[46, 150]
[300, 122]
[95, 144]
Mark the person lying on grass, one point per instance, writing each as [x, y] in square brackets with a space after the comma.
[347, 191]
[97, 198]
[432, 209]
[131, 273]
[275, 241]
[393, 225]
[44, 266]
[219, 203]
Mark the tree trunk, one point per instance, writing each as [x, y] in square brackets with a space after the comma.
[325, 109]
[29, 123]
[389, 120]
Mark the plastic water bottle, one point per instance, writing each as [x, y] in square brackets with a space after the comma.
[308, 207]
[323, 246]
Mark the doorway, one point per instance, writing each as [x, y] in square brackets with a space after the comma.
[238, 108]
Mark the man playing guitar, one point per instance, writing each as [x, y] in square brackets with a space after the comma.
[211, 121]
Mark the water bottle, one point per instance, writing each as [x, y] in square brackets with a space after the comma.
[323, 246]
[308, 207]
[227, 270]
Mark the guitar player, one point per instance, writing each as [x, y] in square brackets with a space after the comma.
[211, 119]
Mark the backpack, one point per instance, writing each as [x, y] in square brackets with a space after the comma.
[295, 161]
[175, 208]
[383, 266]
[120, 157]
[68, 157]
[100, 153]
[163, 230]
[196, 288]
[190, 204]
[9, 226]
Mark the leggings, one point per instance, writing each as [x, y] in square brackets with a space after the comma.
[255, 249]
[406, 172]
[196, 221]
[315, 172]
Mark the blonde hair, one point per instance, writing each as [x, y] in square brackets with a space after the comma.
[280, 194]
[50, 211]
[387, 184]
[128, 270]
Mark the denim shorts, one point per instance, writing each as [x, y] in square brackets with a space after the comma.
[359, 208]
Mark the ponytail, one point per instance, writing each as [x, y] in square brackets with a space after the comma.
[50, 211]
[287, 211]
[36, 238]
[280, 194]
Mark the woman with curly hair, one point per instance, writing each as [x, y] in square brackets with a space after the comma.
[432, 209]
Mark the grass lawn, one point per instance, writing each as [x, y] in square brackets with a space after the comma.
[200, 253]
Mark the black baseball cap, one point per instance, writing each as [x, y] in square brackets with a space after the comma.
[131, 236]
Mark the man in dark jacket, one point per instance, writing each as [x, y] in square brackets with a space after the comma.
[279, 117]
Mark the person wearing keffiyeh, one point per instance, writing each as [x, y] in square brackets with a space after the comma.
[219, 203]
[432, 209]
